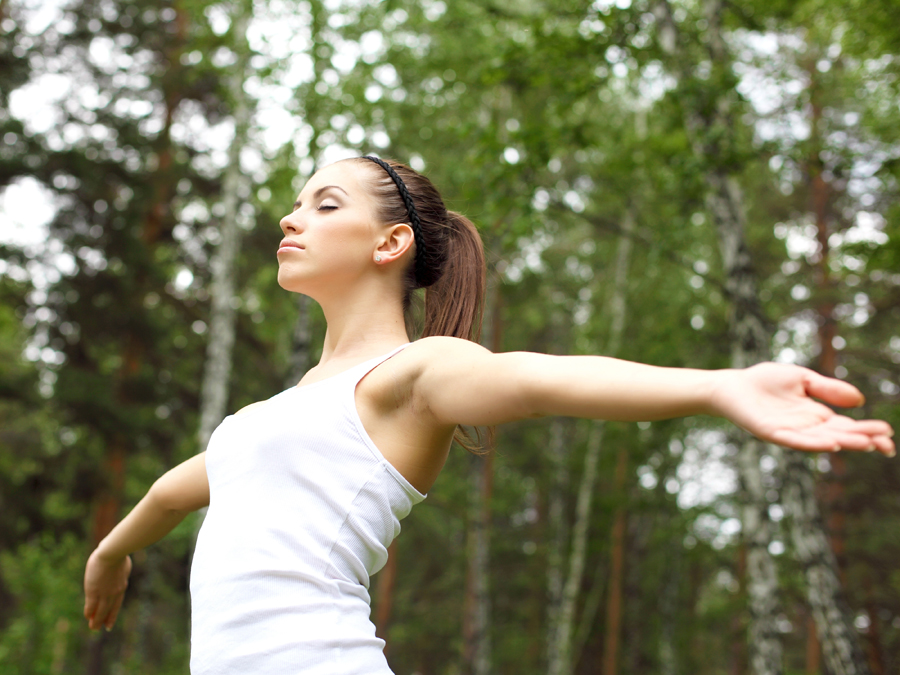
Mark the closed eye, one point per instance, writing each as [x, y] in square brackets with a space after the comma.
[326, 207]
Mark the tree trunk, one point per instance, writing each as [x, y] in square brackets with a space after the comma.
[821, 193]
[813, 648]
[840, 646]
[476, 621]
[561, 658]
[875, 648]
[670, 611]
[835, 631]
[301, 343]
[558, 451]
[617, 561]
[107, 504]
[217, 371]
[476, 635]
[220, 347]
[739, 642]
[710, 136]
[589, 611]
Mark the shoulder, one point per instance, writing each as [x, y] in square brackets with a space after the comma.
[437, 354]
[247, 408]
[441, 345]
[438, 362]
[426, 353]
[397, 380]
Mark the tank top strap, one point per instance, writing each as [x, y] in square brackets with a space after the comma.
[366, 367]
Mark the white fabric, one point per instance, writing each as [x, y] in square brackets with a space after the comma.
[302, 509]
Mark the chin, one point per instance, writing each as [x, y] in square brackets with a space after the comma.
[296, 283]
[288, 281]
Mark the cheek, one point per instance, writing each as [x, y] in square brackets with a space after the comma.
[347, 241]
[329, 255]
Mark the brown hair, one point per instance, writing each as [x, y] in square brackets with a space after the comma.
[454, 280]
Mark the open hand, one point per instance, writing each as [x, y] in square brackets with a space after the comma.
[775, 403]
[105, 582]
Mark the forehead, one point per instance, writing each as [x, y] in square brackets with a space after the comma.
[349, 176]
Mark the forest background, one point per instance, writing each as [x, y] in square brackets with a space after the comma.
[685, 183]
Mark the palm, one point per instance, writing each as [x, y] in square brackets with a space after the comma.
[774, 402]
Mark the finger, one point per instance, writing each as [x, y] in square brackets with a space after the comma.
[875, 428]
[884, 445]
[848, 440]
[96, 622]
[859, 442]
[868, 427]
[878, 428]
[805, 441]
[833, 391]
[824, 438]
[114, 611]
[878, 433]
[90, 607]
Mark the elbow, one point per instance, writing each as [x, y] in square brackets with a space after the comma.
[536, 391]
[528, 404]
[531, 401]
[162, 497]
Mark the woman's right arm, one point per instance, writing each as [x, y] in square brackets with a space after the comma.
[180, 491]
[462, 383]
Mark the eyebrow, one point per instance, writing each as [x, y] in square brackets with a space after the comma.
[320, 191]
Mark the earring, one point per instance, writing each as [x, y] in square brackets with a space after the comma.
[377, 258]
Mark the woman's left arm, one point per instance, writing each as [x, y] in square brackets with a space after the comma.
[463, 383]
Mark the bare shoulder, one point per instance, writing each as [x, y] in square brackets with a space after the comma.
[426, 352]
[440, 361]
[436, 346]
[432, 356]
[395, 381]
[248, 408]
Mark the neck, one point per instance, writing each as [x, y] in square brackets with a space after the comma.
[364, 323]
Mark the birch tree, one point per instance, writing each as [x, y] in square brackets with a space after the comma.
[477, 618]
[235, 189]
[560, 656]
[710, 137]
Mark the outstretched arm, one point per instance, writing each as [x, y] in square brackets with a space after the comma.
[466, 384]
[180, 491]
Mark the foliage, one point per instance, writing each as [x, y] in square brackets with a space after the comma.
[548, 124]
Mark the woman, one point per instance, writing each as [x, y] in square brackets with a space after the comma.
[306, 490]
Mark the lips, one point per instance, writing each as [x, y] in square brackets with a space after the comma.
[287, 243]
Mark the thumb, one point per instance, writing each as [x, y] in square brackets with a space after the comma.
[833, 391]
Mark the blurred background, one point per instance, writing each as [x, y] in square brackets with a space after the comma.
[691, 183]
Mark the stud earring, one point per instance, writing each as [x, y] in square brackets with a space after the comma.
[377, 258]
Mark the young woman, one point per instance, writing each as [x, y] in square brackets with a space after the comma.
[306, 490]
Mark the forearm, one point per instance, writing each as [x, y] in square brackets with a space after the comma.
[147, 523]
[604, 388]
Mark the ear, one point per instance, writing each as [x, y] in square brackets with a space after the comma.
[394, 243]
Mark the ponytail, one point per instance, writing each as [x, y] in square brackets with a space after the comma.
[449, 262]
[454, 303]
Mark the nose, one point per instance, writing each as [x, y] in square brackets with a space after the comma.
[290, 224]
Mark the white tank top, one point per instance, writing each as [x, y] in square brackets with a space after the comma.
[302, 509]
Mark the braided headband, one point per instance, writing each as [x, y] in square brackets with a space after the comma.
[411, 211]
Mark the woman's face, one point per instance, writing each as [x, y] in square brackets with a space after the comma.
[332, 233]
